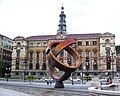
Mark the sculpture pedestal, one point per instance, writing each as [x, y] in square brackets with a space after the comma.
[59, 84]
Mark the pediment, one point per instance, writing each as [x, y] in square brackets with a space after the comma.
[107, 33]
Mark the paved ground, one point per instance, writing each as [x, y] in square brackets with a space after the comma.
[8, 92]
[42, 89]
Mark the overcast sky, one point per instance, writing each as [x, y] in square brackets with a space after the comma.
[41, 17]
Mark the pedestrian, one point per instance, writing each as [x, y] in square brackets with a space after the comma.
[50, 81]
[109, 81]
[47, 82]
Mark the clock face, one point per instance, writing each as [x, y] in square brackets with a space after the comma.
[61, 36]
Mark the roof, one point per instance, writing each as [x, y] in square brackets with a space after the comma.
[5, 37]
[83, 36]
[77, 36]
[41, 37]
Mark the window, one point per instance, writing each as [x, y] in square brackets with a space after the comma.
[37, 54]
[31, 66]
[107, 51]
[44, 44]
[38, 44]
[94, 53]
[44, 66]
[87, 43]
[31, 44]
[94, 42]
[95, 66]
[31, 54]
[44, 56]
[18, 44]
[37, 66]
[80, 53]
[87, 65]
[108, 65]
[87, 53]
[79, 43]
[107, 41]
[17, 65]
[18, 53]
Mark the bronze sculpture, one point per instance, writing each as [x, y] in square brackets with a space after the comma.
[53, 49]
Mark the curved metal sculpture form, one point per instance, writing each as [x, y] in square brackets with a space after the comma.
[53, 49]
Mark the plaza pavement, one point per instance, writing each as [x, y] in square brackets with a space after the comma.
[7, 92]
[68, 86]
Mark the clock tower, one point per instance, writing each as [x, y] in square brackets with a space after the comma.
[62, 23]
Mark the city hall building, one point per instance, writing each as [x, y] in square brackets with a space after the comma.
[96, 50]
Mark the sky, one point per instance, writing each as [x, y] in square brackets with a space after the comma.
[41, 17]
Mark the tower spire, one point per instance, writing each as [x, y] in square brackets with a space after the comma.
[62, 22]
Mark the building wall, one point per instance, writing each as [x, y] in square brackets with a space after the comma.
[37, 64]
[5, 54]
[107, 43]
[37, 49]
[19, 55]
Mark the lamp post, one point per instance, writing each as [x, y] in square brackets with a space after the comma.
[83, 68]
[82, 73]
[101, 65]
[87, 70]
[72, 79]
[112, 54]
[25, 62]
[7, 73]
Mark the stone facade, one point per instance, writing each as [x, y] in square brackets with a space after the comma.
[108, 52]
[91, 48]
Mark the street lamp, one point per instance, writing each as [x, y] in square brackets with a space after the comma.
[82, 73]
[25, 62]
[7, 73]
[87, 70]
[83, 68]
[72, 79]
[101, 65]
[112, 54]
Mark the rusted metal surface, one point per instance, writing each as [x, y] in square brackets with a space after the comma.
[53, 50]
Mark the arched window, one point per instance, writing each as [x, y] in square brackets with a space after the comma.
[37, 66]
[44, 66]
[31, 66]
[107, 41]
